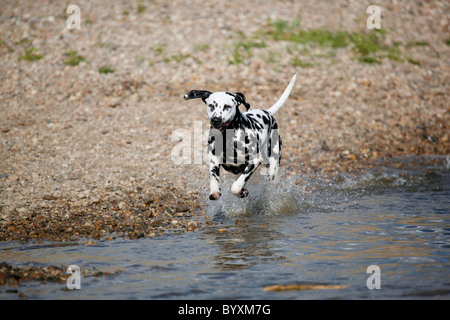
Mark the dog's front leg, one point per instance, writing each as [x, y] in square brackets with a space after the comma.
[238, 186]
[214, 155]
[214, 172]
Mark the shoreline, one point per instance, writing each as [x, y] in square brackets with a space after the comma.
[141, 214]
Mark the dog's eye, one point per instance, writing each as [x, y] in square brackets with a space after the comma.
[226, 107]
[211, 107]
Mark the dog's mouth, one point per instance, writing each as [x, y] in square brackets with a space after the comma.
[222, 127]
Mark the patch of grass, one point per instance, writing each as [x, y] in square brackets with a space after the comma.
[22, 42]
[447, 42]
[106, 69]
[300, 63]
[243, 49]
[162, 55]
[368, 47]
[202, 46]
[160, 52]
[30, 54]
[160, 49]
[269, 57]
[322, 37]
[420, 43]
[369, 60]
[179, 57]
[413, 61]
[283, 30]
[140, 9]
[394, 53]
[72, 58]
[4, 44]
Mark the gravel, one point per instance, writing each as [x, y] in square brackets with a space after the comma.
[88, 154]
[14, 276]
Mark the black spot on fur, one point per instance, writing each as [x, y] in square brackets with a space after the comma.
[215, 171]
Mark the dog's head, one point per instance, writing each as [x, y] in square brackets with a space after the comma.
[220, 106]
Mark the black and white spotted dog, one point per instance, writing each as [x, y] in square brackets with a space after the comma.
[240, 142]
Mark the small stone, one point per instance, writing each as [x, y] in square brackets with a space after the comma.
[192, 226]
[156, 223]
[13, 177]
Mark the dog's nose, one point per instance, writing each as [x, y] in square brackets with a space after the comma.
[216, 121]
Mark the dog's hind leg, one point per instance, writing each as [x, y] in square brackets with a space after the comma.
[275, 156]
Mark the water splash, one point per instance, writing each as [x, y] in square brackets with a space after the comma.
[265, 198]
[312, 192]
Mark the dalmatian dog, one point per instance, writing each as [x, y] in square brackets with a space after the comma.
[240, 142]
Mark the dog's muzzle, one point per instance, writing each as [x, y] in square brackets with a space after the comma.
[216, 122]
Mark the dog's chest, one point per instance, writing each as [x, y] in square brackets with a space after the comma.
[241, 144]
[235, 144]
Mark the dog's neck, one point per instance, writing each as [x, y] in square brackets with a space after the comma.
[238, 121]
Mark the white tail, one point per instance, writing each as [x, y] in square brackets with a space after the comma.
[273, 109]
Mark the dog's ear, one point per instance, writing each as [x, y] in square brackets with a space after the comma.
[241, 99]
[195, 94]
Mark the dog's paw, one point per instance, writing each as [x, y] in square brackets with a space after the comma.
[243, 193]
[215, 195]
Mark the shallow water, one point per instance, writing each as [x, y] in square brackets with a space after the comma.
[312, 232]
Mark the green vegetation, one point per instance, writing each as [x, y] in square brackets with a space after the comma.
[140, 9]
[418, 43]
[162, 55]
[30, 55]
[201, 46]
[367, 46]
[243, 49]
[160, 49]
[300, 63]
[179, 57]
[282, 30]
[72, 58]
[4, 44]
[106, 69]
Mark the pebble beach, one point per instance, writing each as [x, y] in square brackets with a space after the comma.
[87, 115]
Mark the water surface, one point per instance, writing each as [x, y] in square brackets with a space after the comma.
[329, 233]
